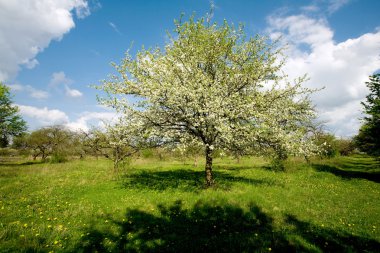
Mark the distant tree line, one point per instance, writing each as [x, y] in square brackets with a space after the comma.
[58, 144]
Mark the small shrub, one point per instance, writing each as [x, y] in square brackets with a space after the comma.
[277, 164]
[327, 144]
[345, 147]
[8, 152]
[332, 147]
[58, 158]
[278, 159]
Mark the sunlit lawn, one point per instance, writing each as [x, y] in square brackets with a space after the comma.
[162, 206]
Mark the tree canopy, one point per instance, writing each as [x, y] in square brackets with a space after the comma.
[368, 139]
[117, 142]
[11, 123]
[213, 86]
[49, 141]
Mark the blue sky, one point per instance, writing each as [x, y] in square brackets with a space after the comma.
[52, 51]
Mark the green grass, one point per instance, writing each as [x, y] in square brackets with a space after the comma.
[162, 206]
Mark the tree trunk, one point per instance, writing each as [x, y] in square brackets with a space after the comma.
[116, 161]
[208, 167]
[116, 167]
[196, 161]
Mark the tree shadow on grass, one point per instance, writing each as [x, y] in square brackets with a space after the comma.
[18, 164]
[236, 167]
[349, 174]
[203, 228]
[186, 180]
[215, 228]
[9, 170]
[328, 240]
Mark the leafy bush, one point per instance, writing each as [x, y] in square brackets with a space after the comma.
[331, 146]
[8, 152]
[327, 144]
[345, 147]
[277, 164]
[58, 158]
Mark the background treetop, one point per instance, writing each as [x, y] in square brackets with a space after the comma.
[368, 139]
[11, 123]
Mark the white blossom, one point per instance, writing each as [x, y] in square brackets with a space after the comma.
[212, 86]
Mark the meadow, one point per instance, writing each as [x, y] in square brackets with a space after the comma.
[162, 206]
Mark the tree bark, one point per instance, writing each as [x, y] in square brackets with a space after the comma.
[116, 161]
[196, 161]
[208, 166]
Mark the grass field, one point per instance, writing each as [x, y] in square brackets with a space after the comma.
[162, 206]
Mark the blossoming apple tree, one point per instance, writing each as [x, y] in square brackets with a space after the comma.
[212, 86]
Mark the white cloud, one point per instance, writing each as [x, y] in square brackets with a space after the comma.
[326, 6]
[310, 8]
[16, 87]
[88, 119]
[114, 27]
[48, 117]
[34, 93]
[342, 68]
[335, 5]
[81, 8]
[59, 78]
[27, 27]
[30, 63]
[301, 30]
[343, 120]
[73, 92]
[44, 116]
[38, 94]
